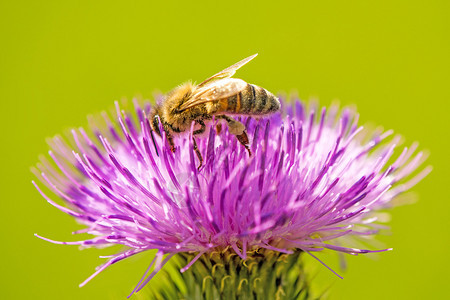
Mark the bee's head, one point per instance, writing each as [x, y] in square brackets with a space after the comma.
[155, 119]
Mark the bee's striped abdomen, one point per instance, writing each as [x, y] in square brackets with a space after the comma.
[253, 100]
[258, 101]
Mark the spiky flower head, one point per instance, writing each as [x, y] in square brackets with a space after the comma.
[316, 181]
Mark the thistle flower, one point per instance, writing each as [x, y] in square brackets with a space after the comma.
[316, 181]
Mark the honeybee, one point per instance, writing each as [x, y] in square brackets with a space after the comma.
[219, 96]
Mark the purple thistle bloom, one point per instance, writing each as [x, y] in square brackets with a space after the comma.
[315, 179]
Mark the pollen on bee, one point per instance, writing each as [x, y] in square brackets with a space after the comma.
[236, 128]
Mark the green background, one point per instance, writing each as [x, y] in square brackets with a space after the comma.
[62, 60]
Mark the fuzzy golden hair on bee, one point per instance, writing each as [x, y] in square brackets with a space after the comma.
[220, 96]
[180, 93]
[169, 105]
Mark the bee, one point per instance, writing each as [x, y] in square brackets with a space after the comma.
[220, 96]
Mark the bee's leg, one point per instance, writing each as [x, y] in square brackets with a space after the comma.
[238, 129]
[197, 151]
[169, 138]
[243, 139]
[219, 128]
[171, 143]
[199, 155]
[202, 128]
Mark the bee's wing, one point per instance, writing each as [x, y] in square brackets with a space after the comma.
[228, 72]
[220, 89]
